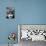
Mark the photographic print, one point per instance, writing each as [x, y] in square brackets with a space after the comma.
[10, 13]
[31, 33]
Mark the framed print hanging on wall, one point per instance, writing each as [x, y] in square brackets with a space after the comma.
[10, 13]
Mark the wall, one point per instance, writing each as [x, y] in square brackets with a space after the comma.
[27, 12]
[6, 25]
[31, 11]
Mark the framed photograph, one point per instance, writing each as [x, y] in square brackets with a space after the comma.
[10, 13]
[32, 32]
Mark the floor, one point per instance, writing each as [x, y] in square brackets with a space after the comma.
[30, 43]
[7, 45]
